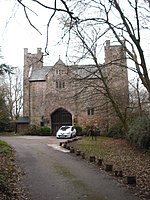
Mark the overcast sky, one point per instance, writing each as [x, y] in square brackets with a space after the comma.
[16, 34]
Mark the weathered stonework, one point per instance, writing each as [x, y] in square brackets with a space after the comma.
[50, 89]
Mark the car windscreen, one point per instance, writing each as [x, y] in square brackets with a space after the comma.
[64, 128]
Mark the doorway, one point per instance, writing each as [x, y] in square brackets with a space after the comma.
[60, 117]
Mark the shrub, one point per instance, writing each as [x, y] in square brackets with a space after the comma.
[116, 132]
[139, 132]
[33, 130]
[78, 129]
[44, 130]
[39, 130]
[5, 126]
[10, 127]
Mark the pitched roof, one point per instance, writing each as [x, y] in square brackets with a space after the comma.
[81, 71]
[85, 71]
[40, 74]
[23, 120]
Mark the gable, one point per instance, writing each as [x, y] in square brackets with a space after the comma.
[59, 67]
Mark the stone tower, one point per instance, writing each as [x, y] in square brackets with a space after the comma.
[117, 78]
[116, 69]
[32, 62]
[115, 62]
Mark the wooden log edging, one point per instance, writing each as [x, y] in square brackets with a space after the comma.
[131, 180]
[68, 147]
[109, 167]
[78, 152]
[118, 173]
[92, 159]
[65, 145]
[99, 161]
[72, 150]
[83, 155]
[61, 143]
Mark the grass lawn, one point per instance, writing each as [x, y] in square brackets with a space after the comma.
[122, 156]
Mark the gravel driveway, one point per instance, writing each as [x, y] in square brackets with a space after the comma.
[52, 173]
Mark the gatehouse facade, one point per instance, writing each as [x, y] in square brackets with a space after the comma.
[67, 95]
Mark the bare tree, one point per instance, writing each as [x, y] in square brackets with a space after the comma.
[131, 33]
[99, 83]
[13, 93]
[125, 19]
[89, 23]
[139, 104]
[112, 16]
[4, 113]
[54, 7]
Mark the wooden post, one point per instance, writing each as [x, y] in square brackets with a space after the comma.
[131, 180]
[99, 161]
[61, 143]
[65, 144]
[92, 158]
[118, 173]
[83, 155]
[78, 152]
[68, 147]
[72, 150]
[109, 168]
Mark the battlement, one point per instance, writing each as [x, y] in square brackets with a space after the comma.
[39, 52]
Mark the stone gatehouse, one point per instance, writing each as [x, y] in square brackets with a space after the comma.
[64, 95]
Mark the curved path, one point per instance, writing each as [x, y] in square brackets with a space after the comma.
[54, 174]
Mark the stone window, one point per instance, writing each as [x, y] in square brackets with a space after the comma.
[56, 71]
[90, 111]
[60, 84]
[59, 71]
[30, 71]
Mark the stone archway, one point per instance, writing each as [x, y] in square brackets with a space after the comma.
[60, 117]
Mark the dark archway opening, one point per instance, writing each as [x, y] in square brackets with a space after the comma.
[60, 117]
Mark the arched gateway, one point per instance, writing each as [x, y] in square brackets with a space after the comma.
[59, 118]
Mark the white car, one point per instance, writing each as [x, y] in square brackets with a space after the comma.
[66, 132]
